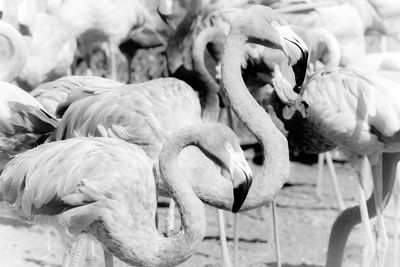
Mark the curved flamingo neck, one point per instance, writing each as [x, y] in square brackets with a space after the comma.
[331, 45]
[146, 246]
[18, 52]
[189, 205]
[177, 41]
[275, 170]
[209, 35]
[351, 217]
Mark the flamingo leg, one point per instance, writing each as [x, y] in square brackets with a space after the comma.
[66, 259]
[318, 189]
[384, 45]
[363, 172]
[235, 238]
[222, 237]
[129, 70]
[169, 227]
[396, 196]
[382, 239]
[334, 179]
[74, 259]
[91, 254]
[108, 259]
[113, 61]
[49, 243]
[89, 71]
[276, 234]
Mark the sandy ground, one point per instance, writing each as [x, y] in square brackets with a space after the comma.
[304, 224]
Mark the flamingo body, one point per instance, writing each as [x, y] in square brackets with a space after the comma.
[145, 113]
[61, 184]
[356, 110]
[23, 121]
[44, 185]
[52, 94]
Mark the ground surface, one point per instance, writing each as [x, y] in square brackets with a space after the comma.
[304, 224]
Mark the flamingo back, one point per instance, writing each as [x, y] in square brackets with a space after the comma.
[358, 110]
[47, 180]
[144, 114]
[52, 94]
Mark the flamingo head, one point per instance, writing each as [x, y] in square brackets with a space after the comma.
[223, 147]
[262, 25]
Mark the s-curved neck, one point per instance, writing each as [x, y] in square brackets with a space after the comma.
[208, 35]
[191, 209]
[146, 246]
[18, 52]
[330, 55]
[275, 170]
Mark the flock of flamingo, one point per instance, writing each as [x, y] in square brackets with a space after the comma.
[89, 155]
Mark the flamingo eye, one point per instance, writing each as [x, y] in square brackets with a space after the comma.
[275, 24]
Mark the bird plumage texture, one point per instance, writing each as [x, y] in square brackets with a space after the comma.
[52, 94]
[357, 110]
[62, 184]
[144, 113]
[23, 121]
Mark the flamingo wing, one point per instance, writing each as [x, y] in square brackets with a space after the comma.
[23, 121]
[48, 180]
[144, 114]
[356, 109]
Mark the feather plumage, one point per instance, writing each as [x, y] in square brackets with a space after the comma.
[23, 121]
[144, 113]
[51, 94]
[25, 184]
[351, 107]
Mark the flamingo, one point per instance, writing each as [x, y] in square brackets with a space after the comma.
[145, 114]
[50, 45]
[117, 205]
[355, 107]
[24, 122]
[193, 71]
[275, 167]
[323, 47]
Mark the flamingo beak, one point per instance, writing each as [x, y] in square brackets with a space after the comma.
[242, 178]
[165, 9]
[297, 52]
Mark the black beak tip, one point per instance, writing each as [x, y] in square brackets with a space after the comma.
[240, 194]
